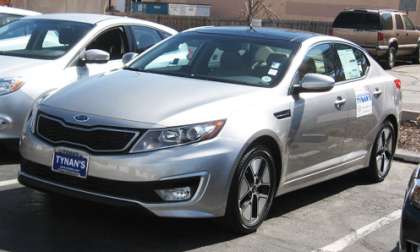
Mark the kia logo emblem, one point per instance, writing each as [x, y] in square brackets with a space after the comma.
[81, 118]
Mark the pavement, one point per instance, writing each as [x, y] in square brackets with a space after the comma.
[305, 220]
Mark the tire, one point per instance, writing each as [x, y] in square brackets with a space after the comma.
[382, 153]
[391, 58]
[416, 58]
[252, 191]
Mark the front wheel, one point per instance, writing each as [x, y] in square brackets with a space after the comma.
[382, 153]
[252, 191]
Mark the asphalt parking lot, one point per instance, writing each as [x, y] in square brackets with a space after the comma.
[345, 214]
[305, 220]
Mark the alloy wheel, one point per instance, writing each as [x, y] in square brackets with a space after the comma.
[384, 151]
[254, 190]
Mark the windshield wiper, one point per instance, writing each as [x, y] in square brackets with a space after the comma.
[132, 69]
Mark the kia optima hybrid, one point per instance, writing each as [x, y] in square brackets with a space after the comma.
[216, 121]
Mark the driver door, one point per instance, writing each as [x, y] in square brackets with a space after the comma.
[319, 119]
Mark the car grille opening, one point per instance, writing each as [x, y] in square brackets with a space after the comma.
[95, 139]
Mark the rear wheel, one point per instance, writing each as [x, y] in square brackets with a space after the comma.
[382, 153]
[252, 191]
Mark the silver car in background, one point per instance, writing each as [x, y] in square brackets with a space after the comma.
[46, 52]
[216, 122]
[8, 14]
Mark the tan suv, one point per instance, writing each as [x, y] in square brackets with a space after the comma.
[385, 34]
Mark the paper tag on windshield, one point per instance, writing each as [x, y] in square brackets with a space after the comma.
[273, 72]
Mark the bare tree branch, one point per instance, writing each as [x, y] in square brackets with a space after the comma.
[258, 9]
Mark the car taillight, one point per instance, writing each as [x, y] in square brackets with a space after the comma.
[381, 36]
[397, 83]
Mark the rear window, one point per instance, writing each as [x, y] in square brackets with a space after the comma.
[358, 20]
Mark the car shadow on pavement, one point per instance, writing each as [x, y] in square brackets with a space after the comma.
[8, 157]
[30, 220]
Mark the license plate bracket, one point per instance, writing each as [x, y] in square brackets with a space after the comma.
[70, 162]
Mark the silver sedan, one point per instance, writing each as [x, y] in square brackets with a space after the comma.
[42, 53]
[216, 122]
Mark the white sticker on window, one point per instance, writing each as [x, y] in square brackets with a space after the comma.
[349, 63]
[363, 103]
[273, 72]
[266, 79]
[276, 65]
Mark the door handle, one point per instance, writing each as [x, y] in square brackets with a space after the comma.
[377, 92]
[339, 102]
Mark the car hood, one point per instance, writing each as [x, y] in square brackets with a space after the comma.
[19, 67]
[150, 98]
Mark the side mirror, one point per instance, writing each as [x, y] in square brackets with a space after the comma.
[95, 56]
[127, 57]
[314, 83]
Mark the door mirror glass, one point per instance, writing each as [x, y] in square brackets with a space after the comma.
[313, 82]
[129, 57]
[95, 56]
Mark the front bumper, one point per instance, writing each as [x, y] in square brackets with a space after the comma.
[14, 108]
[379, 51]
[211, 162]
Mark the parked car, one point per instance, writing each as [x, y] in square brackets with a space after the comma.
[386, 34]
[410, 222]
[46, 52]
[235, 117]
[8, 14]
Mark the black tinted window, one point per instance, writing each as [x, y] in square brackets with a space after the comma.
[387, 21]
[358, 20]
[145, 37]
[354, 63]
[400, 25]
[320, 59]
[112, 41]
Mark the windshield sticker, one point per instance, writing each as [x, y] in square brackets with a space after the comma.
[266, 79]
[276, 65]
[273, 72]
[349, 63]
[363, 103]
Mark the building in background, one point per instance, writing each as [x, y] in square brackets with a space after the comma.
[5, 2]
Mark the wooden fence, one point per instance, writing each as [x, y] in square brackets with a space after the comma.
[181, 23]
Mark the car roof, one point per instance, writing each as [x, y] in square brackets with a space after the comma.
[15, 11]
[375, 10]
[77, 17]
[257, 32]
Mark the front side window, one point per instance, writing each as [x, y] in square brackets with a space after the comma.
[354, 63]
[112, 41]
[145, 37]
[321, 60]
[41, 39]
[408, 23]
[400, 25]
[231, 59]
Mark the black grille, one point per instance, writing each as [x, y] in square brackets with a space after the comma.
[139, 191]
[93, 139]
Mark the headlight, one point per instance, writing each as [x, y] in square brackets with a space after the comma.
[31, 118]
[176, 136]
[415, 191]
[10, 85]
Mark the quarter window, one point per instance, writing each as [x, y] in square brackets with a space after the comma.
[320, 59]
[400, 25]
[354, 63]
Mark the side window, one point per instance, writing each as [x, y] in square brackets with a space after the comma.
[112, 41]
[400, 25]
[145, 37]
[387, 23]
[320, 59]
[354, 63]
[408, 23]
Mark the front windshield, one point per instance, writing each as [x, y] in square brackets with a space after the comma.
[232, 59]
[7, 18]
[40, 39]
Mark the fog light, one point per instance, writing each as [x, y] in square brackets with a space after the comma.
[175, 194]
